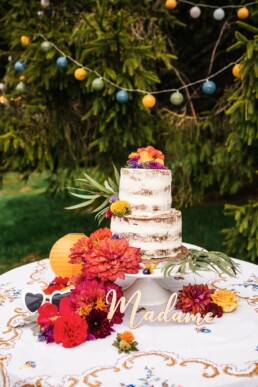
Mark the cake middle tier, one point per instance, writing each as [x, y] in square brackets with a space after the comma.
[146, 190]
[158, 236]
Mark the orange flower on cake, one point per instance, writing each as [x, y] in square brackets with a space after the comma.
[154, 153]
[111, 259]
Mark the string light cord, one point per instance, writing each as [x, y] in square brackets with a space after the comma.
[138, 90]
[215, 6]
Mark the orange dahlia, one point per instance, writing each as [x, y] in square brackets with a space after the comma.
[100, 234]
[79, 249]
[111, 259]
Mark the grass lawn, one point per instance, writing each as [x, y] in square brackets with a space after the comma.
[31, 222]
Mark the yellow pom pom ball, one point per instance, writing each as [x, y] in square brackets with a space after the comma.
[160, 161]
[171, 4]
[149, 101]
[80, 74]
[25, 40]
[22, 78]
[242, 13]
[236, 71]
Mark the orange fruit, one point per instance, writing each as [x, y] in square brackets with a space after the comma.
[242, 13]
[80, 74]
[25, 40]
[236, 71]
[149, 101]
[171, 4]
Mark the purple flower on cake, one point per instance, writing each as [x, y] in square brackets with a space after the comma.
[116, 236]
[113, 199]
[134, 164]
[152, 164]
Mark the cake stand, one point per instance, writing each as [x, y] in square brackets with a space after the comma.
[155, 288]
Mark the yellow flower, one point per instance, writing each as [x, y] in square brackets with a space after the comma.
[100, 304]
[145, 156]
[85, 310]
[226, 299]
[151, 267]
[133, 155]
[127, 336]
[160, 161]
[120, 208]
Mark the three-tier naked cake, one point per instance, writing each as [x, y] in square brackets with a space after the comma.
[152, 225]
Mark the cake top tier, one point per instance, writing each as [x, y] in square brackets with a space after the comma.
[146, 158]
[146, 190]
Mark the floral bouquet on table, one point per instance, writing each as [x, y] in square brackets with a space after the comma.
[82, 315]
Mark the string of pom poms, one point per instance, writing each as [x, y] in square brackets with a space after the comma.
[218, 14]
[122, 96]
[176, 97]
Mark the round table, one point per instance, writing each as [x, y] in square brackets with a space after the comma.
[224, 353]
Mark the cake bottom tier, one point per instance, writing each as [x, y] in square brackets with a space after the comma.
[159, 236]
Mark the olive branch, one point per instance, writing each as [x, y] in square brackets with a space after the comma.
[201, 260]
[95, 191]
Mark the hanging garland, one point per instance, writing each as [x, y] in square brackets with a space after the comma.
[176, 98]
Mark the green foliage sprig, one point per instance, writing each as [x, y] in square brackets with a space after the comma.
[94, 191]
[201, 260]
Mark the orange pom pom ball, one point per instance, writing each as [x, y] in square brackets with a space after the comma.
[242, 13]
[236, 71]
[25, 40]
[171, 4]
[59, 256]
[149, 101]
[80, 74]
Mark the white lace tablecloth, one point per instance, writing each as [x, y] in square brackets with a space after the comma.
[224, 353]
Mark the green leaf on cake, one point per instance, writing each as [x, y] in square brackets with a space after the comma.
[200, 260]
[98, 194]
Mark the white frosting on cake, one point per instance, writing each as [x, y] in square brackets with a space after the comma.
[158, 236]
[146, 190]
[153, 225]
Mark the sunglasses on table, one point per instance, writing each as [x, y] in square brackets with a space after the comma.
[32, 300]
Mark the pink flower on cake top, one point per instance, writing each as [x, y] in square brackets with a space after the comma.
[146, 158]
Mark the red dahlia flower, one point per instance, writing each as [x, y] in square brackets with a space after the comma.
[194, 298]
[111, 259]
